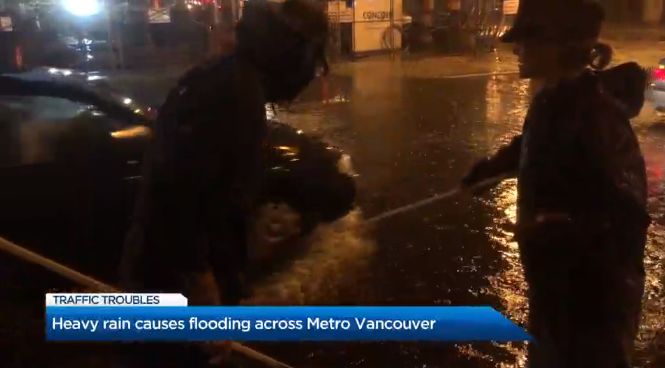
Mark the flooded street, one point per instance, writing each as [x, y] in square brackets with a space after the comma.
[411, 137]
[413, 129]
[136, 158]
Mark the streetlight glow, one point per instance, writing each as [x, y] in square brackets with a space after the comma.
[82, 8]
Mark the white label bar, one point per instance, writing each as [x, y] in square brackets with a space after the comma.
[115, 300]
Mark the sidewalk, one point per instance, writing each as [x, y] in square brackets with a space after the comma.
[633, 32]
[647, 52]
[430, 66]
[151, 85]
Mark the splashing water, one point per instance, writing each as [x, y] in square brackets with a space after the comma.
[338, 256]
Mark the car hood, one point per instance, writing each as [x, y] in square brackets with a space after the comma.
[293, 143]
[75, 86]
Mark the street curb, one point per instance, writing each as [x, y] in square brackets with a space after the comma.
[638, 32]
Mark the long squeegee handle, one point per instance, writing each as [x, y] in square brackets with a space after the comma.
[436, 198]
[89, 282]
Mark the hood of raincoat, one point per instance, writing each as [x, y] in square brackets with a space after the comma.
[285, 42]
[626, 84]
[579, 154]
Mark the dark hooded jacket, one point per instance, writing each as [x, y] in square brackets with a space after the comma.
[202, 168]
[578, 158]
[200, 175]
[582, 217]
[582, 177]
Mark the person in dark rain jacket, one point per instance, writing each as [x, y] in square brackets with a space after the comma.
[188, 234]
[582, 217]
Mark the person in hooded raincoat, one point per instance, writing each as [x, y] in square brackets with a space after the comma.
[582, 217]
[202, 167]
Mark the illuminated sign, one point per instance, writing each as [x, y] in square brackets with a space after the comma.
[376, 15]
[454, 5]
[159, 15]
[6, 24]
[340, 12]
[510, 7]
[375, 26]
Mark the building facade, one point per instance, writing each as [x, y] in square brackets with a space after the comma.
[634, 11]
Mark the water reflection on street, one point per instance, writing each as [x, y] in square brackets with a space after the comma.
[413, 137]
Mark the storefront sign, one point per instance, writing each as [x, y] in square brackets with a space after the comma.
[454, 4]
[375, 25]
[160, 15]
[376, 15]
[510, 7]
[6, 24]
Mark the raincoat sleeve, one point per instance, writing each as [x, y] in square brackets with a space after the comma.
[180, 181]
[504, 163]
[506, 160]
[554, 169]
[247, 152]
[584, 166]
[231, 162]
[614, 156]
[190, 167]
[234, 189]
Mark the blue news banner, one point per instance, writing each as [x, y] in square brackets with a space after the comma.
[186, 323]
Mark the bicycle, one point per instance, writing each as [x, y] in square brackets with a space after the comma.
[390, 37]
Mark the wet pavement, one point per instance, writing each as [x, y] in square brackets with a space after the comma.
[414, 127]
[413, 136]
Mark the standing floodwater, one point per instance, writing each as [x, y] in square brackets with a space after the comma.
[411, 137]
[413, 132]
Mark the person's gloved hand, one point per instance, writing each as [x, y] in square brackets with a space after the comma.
[480, 172]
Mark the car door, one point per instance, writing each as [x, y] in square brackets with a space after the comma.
[31, 178]
[68, 174]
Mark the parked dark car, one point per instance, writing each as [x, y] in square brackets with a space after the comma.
[70, 162]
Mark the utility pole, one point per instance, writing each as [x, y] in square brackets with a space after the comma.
[114, 38]
[428, 10]
[334, 12]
